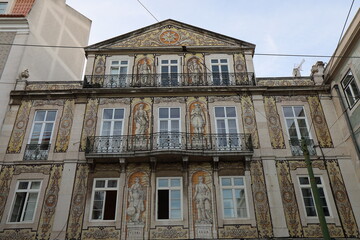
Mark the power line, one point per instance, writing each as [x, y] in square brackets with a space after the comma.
[148, 11]
[342, 32]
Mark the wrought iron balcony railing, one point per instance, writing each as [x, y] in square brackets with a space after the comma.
[36, 152]
[169, 80]
[296, 149]
[169, 141]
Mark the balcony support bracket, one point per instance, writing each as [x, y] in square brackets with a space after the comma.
[122, 163]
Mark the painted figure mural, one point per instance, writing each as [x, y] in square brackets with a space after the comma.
[136, 201]
[197, 119]
[203, 202]
[141, 120]
[144, 71]
[195, 71]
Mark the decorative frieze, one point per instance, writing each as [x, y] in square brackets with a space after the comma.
[19, 130]
[18, 234]
[78, 203]
[285, 82]
[212, 99]
[63, 136]
[249, 120]
[103, 233]
[44, 169]
[302, 164]
[89, 125]
[57, 102]
[290, 99]
[274, 123]
[169, 232]
[51, 87]
[314, 231]
[261, 202]
[50, 203]
[158, 100]
[238, 231]
[319, 122]
[5, 180]
[104, 101]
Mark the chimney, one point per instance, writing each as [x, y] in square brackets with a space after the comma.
[317, 73]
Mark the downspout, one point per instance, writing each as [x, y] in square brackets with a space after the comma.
[353, 138]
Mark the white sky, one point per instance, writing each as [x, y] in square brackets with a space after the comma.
[275, 26]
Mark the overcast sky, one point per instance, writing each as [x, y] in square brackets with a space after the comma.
[275, 26]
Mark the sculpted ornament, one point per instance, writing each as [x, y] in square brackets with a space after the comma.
[197, 119]
[141, 120]
[203, 202]
[136, 201]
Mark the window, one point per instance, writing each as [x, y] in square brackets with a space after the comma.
[226, 127]
[169, 198]
[43, 127]
[296, 122]
[3, 6]
[169, 72]
[104, 199]
[25, 201]
[119, 71]
[351, 89]
[308, 199]
[111, 131]
[220, 71]
[169, 125]
[233, 194]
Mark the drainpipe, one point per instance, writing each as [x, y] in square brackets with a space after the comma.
[348, 121]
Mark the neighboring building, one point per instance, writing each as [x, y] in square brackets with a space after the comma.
[343, 74]
[173, 137]
[39, 22]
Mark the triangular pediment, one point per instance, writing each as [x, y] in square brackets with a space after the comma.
[170, 33]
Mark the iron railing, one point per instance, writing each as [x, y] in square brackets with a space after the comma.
[36, 152]
[169, 141]
[169, 80]
[296, 149]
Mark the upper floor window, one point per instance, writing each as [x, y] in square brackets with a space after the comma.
[308, 199]
[25, 201]
[233, 194]
[3, 6]
[169, 69]
[169, 126]
[112, 122]
[351, 89]
[43, 127]
[119, 71]
[104, 199]
[296, 122]
[226, 127]
[169, 198]
[220, 71]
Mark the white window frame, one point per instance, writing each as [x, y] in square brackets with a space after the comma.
[219, 64]
[169, 188]
[295, 118]
[104, 189]
[6, 4]
[112, 121]
[350, 87]
[233, 188]
[227, 125]
[119, 79]
[169, 119]
[27, 191]
[308, 186]
[43, 123]
[178, 65]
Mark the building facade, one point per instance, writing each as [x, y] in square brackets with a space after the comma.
[171, 136]
[26, 26]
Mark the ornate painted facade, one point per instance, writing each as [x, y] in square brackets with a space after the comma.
[164, 143]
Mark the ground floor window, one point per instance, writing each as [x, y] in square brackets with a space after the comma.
[104, 199]
[169, 198]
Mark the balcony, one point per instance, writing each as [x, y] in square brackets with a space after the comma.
[36, 152]
[160, 143]
[296, 149]
[169, 80]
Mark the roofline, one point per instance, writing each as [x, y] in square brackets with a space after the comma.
[161, 23]
[351, 35]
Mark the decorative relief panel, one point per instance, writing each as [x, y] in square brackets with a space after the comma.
[314, 231]
[58, 102]
[144, 67]
[104, 101]
[290, 98]
[5, 180]
[291, 210]
[249, 120]
[18, 234]
[18, 133]
[212, 99]
[158, 100]
[274, 124]
[319, 121]
[172, 36]
[240, 67]
[238, 231]
[195, 67]
[169, 232]
[261, 201]
[197, 113]
[50, 87]
[90, 119]
[202, 197]
[63, 136]
[105, 233]
[239, 165]
[44, 169]
[342, 200]
[141, 114]
[283, 82]
[99, 70]
[78, 202]
[302, 164]
[138, 184]
[50, 203]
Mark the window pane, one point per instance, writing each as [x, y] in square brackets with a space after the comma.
[163, 183]
[317, 180]
[108, 113]
[100, 184]
[174, 69]
[163, 204]
[175, 194]
[18, 207]
[224, 68]
[51, 116]
[124, 62]
[117, 128]
[288, 112]
[164, 61]
[112, 183]
[119, 114]
[173, 61]
[23, 185]
[40, 115]
[299, 111]
[106, 129]
[355, 90]
[114, 70]
[175, 112]
[30, 207]
[175, 203]
[35, 185]
[292, 128]
[225, 181]
[163, 113]
[164, 126]
[227, 193]
[228, 212]
[304, 180]
[175, 183]
[215, 68]
[219, 112]
[238, 181]
[115, 62]
[110, 205]
[175, 126]
[230, 112]
[214, 61]
[175, 214]
[223, 60]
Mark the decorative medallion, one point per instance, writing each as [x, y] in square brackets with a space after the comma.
[63, 136]
[274, 124]
[249, 119]
[89, 122]
[169, 37]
